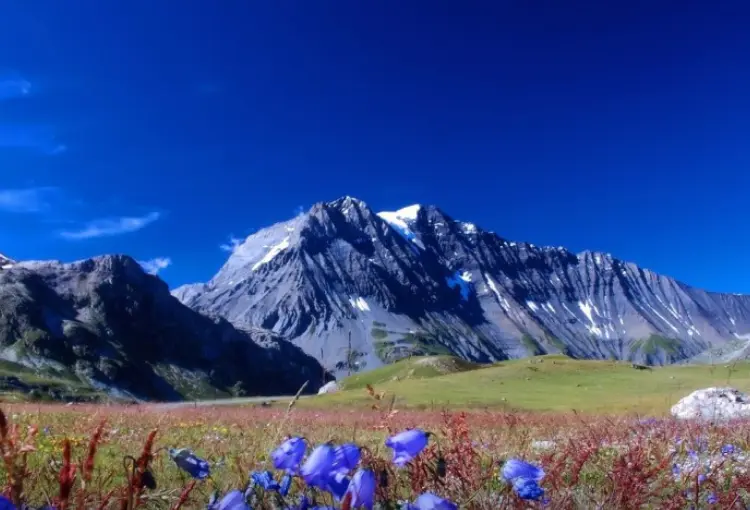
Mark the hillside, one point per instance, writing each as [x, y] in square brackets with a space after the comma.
[420, 367]
[418, 282]
[544, 383]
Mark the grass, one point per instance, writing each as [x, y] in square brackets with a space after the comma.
[590, 462]
[544, 383]
[602, 456]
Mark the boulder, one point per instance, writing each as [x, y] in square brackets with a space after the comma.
[713, 404]
[329, 387]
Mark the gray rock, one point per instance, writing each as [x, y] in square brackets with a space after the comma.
[713, 404]
[330, 387]
[416, 281]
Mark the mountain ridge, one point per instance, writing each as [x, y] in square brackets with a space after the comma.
[108, 323]
[439, 285]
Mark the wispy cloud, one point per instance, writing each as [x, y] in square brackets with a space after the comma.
[12, 87]
[38, 138]
[111, 226]
[27, 200]
[41, 138]
[232, 244]
[153, 266]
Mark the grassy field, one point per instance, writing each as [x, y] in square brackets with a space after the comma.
[593, 462]
[542, 383]
[599, 457]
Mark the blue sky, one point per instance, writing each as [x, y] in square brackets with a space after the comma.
[161, 129]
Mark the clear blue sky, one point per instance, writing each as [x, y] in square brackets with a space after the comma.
[162, 128]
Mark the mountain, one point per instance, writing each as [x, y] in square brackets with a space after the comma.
[416, 281]
[106, 322]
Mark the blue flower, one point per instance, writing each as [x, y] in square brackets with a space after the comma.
[362, 489]
[528, 489]
[6, 504]
[317, 469]
[728, 449]
[190, 463]
[286, 483]
[407, 445]
[289, 454]
[337, 484]
[347, 458]
[429, 501]
[234, 500]
[676, 470]
[514, 469]
[712, 499]
[265, 480]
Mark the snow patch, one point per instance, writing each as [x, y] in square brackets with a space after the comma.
[586, 309]
[410, 212]
[398, 221]
[469, 228]
[549, 307]
[466, 276]
[360, 304]
[664, 319]
[457, 280]
[500, 298]
[734, 323]
[8, 262]
[532, 305]
[275, 250]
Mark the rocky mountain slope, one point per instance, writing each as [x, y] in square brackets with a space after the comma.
[106, 322]
[418, 281]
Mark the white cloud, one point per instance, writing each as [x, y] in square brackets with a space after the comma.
[111, 226]
[232, 245]
[27, 200]
[153, 266]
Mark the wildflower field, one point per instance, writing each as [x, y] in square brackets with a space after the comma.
[110, 457]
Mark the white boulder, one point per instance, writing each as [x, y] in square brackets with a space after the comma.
[329, 387]
[713, 404]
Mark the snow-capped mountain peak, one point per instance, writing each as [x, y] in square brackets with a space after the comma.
[432, 284]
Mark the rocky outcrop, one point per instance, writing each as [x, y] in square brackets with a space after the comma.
[713, 404]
